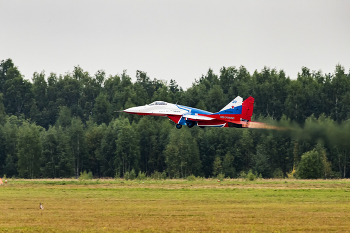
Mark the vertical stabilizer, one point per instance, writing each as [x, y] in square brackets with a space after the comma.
[247, 108]
[234, 107]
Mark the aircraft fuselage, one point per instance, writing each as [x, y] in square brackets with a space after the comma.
[183, 115]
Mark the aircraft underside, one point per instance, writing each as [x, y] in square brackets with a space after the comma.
[180, 121]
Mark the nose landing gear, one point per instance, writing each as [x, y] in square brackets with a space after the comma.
[178, 126]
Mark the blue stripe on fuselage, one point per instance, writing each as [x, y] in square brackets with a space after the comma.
[193, 110]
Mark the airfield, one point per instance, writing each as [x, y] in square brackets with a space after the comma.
[236, 205]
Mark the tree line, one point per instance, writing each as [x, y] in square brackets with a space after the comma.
[61, 125]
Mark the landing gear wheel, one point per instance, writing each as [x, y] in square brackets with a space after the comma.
[190, 124]
[178, 126]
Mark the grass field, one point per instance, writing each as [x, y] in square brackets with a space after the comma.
[175, 205]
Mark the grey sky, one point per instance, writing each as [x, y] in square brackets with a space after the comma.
[174, 39]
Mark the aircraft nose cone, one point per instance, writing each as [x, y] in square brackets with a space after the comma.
[132, 110]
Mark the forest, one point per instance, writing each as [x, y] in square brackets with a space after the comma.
[57, 126]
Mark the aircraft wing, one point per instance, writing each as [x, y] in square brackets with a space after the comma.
[198, 118]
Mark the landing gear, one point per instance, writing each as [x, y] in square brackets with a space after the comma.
[178, 126]
[190, 124]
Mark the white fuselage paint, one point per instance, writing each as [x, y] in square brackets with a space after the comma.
[167, 109]
[164, 108]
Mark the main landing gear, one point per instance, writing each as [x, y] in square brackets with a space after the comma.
[190, 124]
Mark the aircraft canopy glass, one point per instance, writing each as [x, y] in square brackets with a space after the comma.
[158, 103]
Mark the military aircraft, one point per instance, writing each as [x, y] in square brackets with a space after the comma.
[237, 113]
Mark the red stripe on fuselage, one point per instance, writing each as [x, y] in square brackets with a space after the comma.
[225, 117]
[149, 114]
[152, 114]
[210, 122]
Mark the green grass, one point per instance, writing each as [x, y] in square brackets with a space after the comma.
[175, 205]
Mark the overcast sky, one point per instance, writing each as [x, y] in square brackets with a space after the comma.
[177, 40]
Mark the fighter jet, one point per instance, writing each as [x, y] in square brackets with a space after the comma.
[237, 113]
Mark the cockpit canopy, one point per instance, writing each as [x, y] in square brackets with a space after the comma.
[158, 103]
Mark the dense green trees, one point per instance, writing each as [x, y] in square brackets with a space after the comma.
[56, 160]
[127, 149]
[77, 144]
[29, 150]
[314, 164]
[182, 154]
[59, 126]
